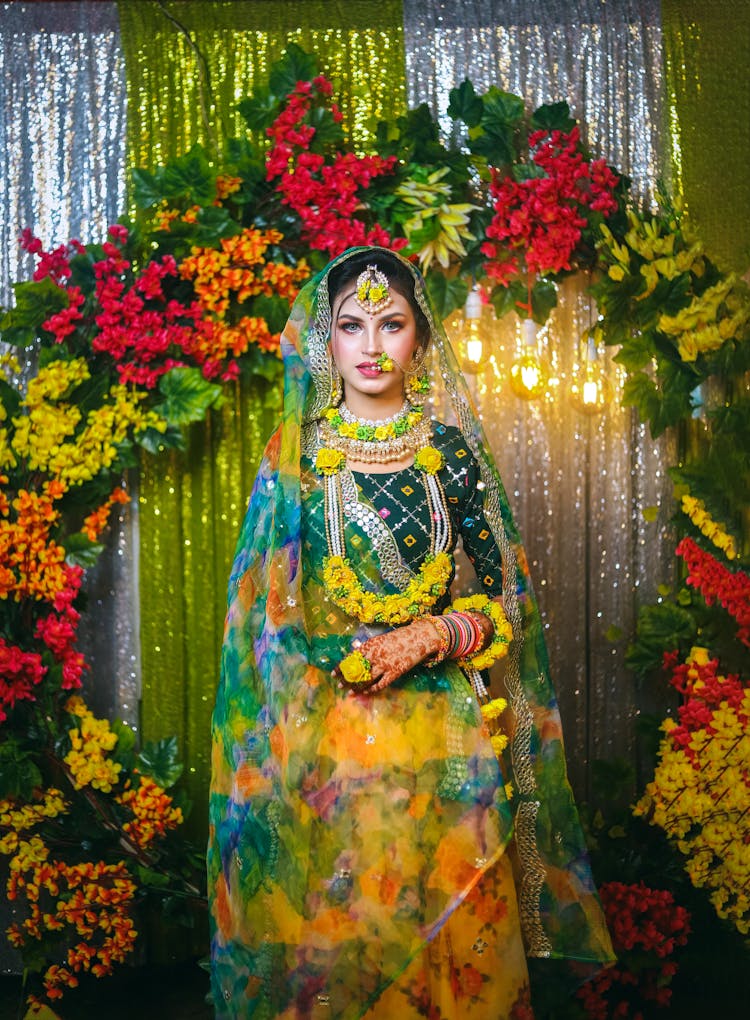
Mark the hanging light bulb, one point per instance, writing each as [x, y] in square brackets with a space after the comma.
[530, 371]
[590, 390]
[473, 346]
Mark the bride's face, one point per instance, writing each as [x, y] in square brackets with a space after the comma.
[358, 339]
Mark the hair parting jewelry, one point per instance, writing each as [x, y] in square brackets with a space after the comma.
[373, 290]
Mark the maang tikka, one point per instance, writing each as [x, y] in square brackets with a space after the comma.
[373, 292]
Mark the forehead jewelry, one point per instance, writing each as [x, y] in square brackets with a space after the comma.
[373, 291]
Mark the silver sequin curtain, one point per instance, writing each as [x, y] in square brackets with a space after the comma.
[62, 173]
[578, 485]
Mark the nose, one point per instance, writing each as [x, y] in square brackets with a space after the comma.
[371, 341]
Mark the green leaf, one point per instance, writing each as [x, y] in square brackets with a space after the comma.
[295, 65]
[125, 737]
[36, 301]
[661, 628]
[190, 177]
[154, 441]
[187, 396]
[507, 299]
[553, 117]
[275, 310]
[495, 145]
[10, 398]
[259, 110]
[328, 132]
[635, 353]
[464, 104]
[446, 294]
[543, 300]
[148, 189]
[501, 108]
[19, 774]
[81, 551]
[159, 760]
[650, 513]
[152, 879]
[613, 633]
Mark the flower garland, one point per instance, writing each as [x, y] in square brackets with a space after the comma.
[700, 793]
[502, 633]
[419, 596]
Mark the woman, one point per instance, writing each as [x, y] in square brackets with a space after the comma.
[368, 855]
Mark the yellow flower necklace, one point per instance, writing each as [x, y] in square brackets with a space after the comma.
[341, 582]
[375, 442]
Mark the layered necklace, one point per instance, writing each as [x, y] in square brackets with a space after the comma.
[381, 442]
[376, 442]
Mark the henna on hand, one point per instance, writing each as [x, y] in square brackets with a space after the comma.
[397, 652]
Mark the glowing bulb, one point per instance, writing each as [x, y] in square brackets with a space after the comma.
[529, 372]
[473, 348]
[590, 390]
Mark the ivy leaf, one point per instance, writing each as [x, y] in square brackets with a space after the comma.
[553, 117]
[190, 176]
[446, 294]
[80, 551]
[19, 774]
[154, 441]
[159, 760]
[543, 300]
[464, 104]
[496, 145]
[635, 353]
[650, 513]
[501, 108]
[259, 110]
[36, 301]
[147, 188]
[507, 299]
[295, 65]
[327, 131]
[661, 628]
[640, 392]
[187, 396]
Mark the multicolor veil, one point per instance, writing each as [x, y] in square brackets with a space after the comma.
[278, 878]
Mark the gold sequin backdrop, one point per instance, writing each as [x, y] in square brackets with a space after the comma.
[707, 62]
[187, 66]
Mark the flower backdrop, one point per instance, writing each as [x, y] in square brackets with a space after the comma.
[136, 336]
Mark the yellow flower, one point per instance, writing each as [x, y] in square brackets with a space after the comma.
[329, 461]
[355, 669]
[429, 459]
[494, 709]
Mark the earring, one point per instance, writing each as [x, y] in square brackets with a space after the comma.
[336, 385]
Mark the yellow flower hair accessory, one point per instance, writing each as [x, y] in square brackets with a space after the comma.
[502, 637]
[355, 670]
[373, 291]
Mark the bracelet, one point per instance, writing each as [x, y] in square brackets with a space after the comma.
[446, 639]
[503, 632]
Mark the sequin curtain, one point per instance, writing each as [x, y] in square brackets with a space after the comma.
[707, 56]
[579, 485]
[188, 65]
[62, 136]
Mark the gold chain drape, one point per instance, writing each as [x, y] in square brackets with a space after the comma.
[187, 66]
